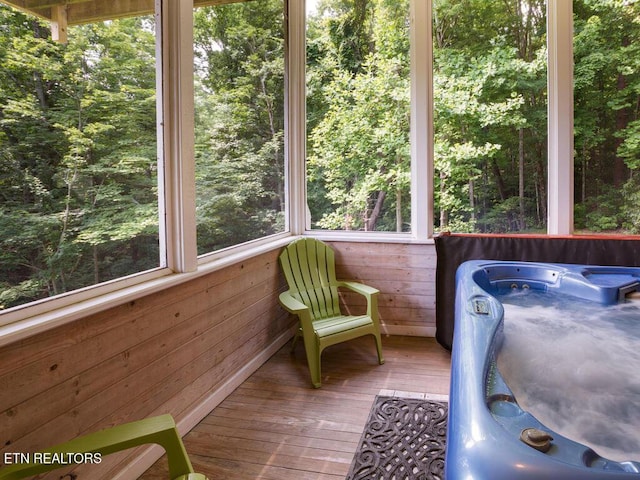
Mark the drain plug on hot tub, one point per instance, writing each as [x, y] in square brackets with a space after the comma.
[538, 439]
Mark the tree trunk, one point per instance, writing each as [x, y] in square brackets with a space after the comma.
[38, 81]
[521, 177]
[583, 181]
[398, 210]
[375, 213]
[472, 201]
[619, 167]
[96, 265]
[499, 181]
[541, 179]
[444, 218]
[272, 129]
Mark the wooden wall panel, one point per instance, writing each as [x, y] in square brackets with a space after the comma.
[162, 353]
[168, 351]
[405, 276]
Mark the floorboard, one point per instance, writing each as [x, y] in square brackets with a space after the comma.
[276, 426]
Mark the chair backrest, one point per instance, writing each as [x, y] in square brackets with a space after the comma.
[309, 268]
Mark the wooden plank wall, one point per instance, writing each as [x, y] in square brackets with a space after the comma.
[405, 276]
[163, 353]
[168, 351]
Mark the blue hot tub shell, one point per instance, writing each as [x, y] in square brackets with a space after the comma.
[485, 420]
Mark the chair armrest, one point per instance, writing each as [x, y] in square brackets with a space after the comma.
[292, 304]
[370, 293]
[160, 430]
[360, 288]
[296, 307]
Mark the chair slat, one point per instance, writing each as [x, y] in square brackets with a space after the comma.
[323, 281]
[330, 265]
[305, 252]
[291, 268]
[313, 249]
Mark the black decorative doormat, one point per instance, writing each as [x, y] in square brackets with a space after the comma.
[404, 439]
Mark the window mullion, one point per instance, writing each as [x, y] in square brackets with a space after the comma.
[296, 117]
[560, 113]
[421, 120]
[178, 134]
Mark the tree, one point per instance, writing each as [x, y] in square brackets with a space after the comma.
[489, 72]
[240, 122]
[359, 150]
[78, 140]
[607, 80]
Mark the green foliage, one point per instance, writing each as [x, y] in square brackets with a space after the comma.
[78, 188]
[505, 217]
[489, 90]
[239, 123]
[78, 152]
[490, 112]
[358, 153]
[604, 212]
[607, 83]
[630, 212]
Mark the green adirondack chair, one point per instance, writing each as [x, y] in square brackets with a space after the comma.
[309, 268]
[160, 430]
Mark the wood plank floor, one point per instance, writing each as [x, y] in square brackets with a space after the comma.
[276, 426]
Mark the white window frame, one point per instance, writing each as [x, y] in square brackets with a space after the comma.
[179, 261]
[177, 178]
[421, 135]
[422, 139]
[193, 261]
[560, 117]
[178, 137]
[295, 126]
[24, 320]
[560, 129]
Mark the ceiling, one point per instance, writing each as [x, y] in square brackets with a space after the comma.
[83, 11]
[63, 13]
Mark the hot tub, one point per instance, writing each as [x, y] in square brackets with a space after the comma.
[490, 435]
